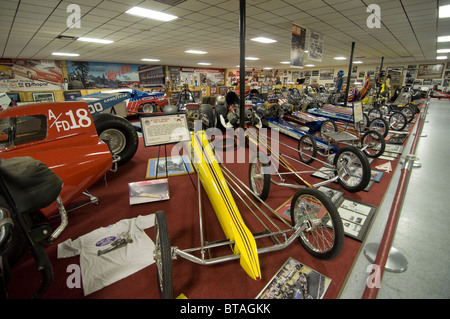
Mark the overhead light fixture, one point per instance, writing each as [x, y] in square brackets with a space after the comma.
[263, 40]
[443, 51]
[151, 14]
[151, 60]
[251, 58]
[340, 58]
[103, 41]
[444, 11]
[357, 62]
[444, 38]
[268, 68]
[441, 57]
[65, 54]
[309, 65]
[195, 51]
[285, 62]
[204, 63]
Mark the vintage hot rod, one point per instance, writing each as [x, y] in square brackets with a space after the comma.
[51, 153]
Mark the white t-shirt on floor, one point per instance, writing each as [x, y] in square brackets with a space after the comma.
[111, 253]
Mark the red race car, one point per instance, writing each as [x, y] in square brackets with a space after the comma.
[51, 153]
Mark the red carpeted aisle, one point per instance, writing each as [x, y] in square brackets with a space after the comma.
[224, 280]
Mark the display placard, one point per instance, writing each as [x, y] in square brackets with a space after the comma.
[165, 129]
[358, 112]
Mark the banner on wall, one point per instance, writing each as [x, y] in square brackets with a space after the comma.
[30, 75]
[88, 75]
[298, 46]
[315, 47]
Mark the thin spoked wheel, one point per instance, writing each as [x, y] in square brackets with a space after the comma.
[353, 169]
[328, 126]
[259, 175]
[380, 125]
[323, 234]
[163, 256]
[307, 148]
[408, 112]
[373, 144]
[397, 121]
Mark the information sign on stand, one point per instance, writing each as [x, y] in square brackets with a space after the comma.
[165, 129]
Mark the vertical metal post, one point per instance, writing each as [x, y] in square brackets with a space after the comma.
[242, 15]
[347, 88]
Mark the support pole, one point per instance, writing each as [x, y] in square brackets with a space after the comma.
[242, 15]
[347, 88]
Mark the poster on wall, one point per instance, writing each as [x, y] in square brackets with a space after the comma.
[30, 75]
[430, 71]
[298, 46]
[88, 75]
[315, 47]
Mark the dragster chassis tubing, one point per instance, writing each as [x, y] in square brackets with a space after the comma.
[233, 183]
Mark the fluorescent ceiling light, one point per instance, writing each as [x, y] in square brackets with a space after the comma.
[358, 62]
[204, 63]
[95, 40]
[263, 40]
[340, 58]
[151, 14]
[444, 11]
[151, 60]
[310, 65]
[65, 54]
[251, 58]
[268, 68]
[444, 38]
[195, 51]
[441, 57]
[443, 51]
[285, 62]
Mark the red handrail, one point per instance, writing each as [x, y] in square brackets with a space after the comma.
[394, 214]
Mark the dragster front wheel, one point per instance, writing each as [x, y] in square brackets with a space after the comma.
[353, 169]
[373, 144]
[307, 148]
[259, 175]
[163, 256]
[323, 234]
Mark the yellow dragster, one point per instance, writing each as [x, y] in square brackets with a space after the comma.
[218, 192]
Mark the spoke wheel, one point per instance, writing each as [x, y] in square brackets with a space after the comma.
[353, 169]
[323, 234]
[373, 144]
[259, 175]
[307, 148]
[397, 121]
[380, 125]
[163, 256]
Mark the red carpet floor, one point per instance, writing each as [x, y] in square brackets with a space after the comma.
[225, 280]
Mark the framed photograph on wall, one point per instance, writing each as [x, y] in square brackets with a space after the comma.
[44, 97]
[430, 71]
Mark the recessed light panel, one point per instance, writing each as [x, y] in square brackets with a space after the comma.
[103, 41]
[444, 38]
[444, 11]
[251, 58]
[263, 40]
[65, 54]
[151, 14]
[195, 51]
[150, 60]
